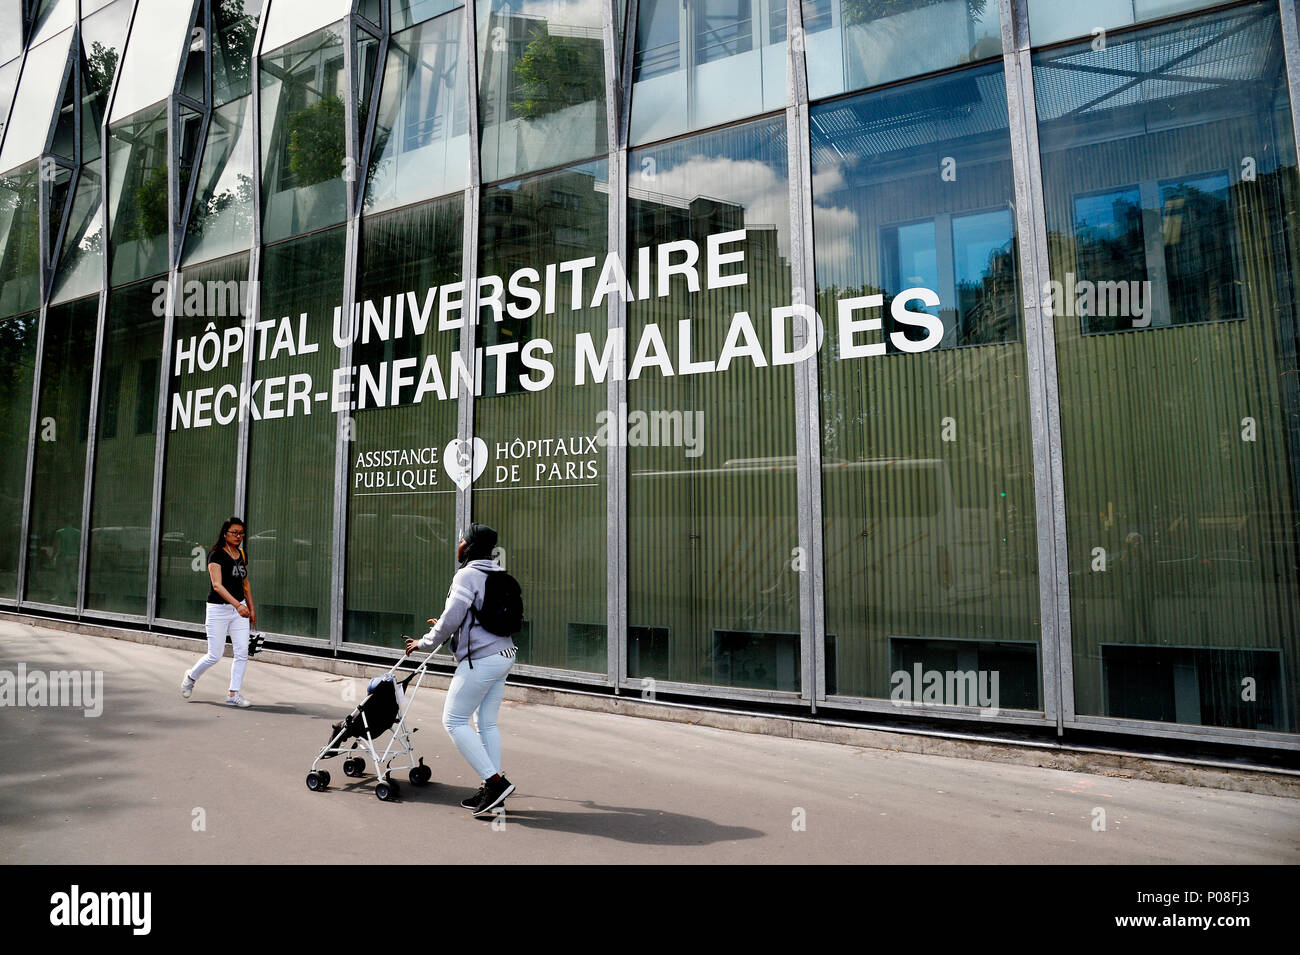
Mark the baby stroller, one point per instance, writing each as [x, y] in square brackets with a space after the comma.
[384, 708]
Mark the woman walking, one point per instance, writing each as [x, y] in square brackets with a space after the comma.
[230, 610]
[483, 660]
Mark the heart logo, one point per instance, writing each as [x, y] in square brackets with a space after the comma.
[465, 461]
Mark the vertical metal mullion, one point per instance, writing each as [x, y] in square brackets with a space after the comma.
[43, 199]
[1040, 356]
[807, 410]
[74, 63]
[160, 443]
[254, 303]
[342, 433]
[1291, 51]
[20, 587]
[469, 260]
[625, 78]
[92, 438]
[616, 608]
[368, 134]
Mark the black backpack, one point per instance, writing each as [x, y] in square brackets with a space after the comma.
[503, 606]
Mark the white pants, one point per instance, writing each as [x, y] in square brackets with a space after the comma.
[223, 618]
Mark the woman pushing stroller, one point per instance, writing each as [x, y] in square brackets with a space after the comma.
[483, 609]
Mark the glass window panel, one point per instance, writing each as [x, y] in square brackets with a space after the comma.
[195, 57]
[407, 13]
[137, 195]
[117, 569]
[705, 62]
[51, 17]
[289, 541]
[160, 34]
[11, 29]
[8, 87]
[712, 509]
[20, 241]
[402, 540]
[1169, 176]
[65, 129]
[200, 467]
[421, 146]
[541, 84]
[367, 67]
[17, 359]
[855, 44]
[290, 19]
[80, 269]
[549, 509]
[1051, 21]
[303, 137]
[235, 23]
[36, 105]
[58, 186]
[927, 481]
[102, 38]
[221, 219]
[59, 476]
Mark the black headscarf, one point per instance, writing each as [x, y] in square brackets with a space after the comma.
[482, 540]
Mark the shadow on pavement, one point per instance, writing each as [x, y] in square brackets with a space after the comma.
[630, 824]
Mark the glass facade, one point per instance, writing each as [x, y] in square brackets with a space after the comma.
[941, 384]
[401, 502]
[712, 524]
[1175, 257]
[927, 471]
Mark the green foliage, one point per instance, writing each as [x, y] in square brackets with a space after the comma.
[236, 32]
[864, 11]
[238, 199]
[317, 142]
[151, 205]
[101, 65]
[18, 200]
[558, 71]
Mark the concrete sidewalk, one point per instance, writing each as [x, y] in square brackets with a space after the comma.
[159, 779]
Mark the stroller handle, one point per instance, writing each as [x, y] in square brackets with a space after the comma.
[409, 654]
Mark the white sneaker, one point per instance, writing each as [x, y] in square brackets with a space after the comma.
[239, 701]
[187, 685]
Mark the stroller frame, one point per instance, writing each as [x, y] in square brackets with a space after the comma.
[399, 750]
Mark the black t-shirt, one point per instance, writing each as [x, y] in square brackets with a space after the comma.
[233, 572]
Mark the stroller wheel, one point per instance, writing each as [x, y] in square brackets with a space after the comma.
[354, 767]
[324, 775]
[420, 775]
[317, 781]
[387, 790]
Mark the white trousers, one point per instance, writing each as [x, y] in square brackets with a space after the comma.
[223, 619]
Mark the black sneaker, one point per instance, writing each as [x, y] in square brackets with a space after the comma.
[471, 802]
[494, 794]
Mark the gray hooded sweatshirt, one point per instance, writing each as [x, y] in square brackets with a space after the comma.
[455, 620]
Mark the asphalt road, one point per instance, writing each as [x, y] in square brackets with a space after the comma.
[158, 779]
